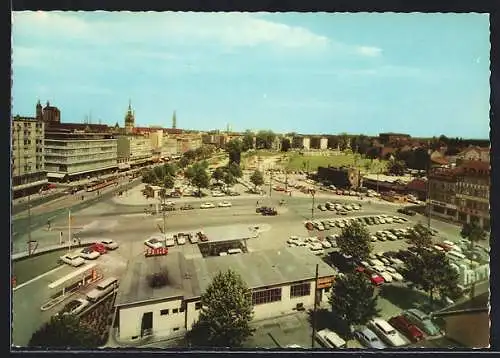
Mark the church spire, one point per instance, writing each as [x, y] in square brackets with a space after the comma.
[174, 121]
[129, 105]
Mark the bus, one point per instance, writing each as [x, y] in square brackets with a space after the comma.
[101, 184]
[70, 284]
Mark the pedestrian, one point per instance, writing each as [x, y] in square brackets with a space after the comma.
[61, 238]
[48, 224]
[79, 241]
[82, 197]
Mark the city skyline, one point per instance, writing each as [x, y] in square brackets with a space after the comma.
[305, 73]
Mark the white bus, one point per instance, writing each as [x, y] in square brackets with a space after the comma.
[103, 288]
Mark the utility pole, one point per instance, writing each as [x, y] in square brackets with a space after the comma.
[312, 191]
[69, 230]
[315, 306]
[429, 194]
[270, 182]
[163, 211]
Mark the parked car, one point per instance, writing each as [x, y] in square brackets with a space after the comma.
[89, 254]
[376, 279]
[386, 332]
[169, 240]
[330, 339]
[224, 204]
[100, 248]
[187, 207]
[368, 338]
[193, 238]
[201, 235]
[422, 321]
[412, 332]
[72, 259]
[207, 206]
[74, 307]
[154, 242]
[269, 212]
[109, 244]
[181, 239]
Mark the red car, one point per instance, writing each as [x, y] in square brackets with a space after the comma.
[100, 248]
[412, 332]
[377, 280]
[444, 246]
[309, 226]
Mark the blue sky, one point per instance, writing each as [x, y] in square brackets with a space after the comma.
[422, 74]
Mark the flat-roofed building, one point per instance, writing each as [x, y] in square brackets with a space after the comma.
[27, 155]
[135, 150]
[280, 282]
[75, 155]
[342, 177]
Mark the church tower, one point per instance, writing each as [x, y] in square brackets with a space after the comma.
[174, 121]
[39, 111]
[129, 119]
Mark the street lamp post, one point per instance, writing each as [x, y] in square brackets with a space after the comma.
[312, 192]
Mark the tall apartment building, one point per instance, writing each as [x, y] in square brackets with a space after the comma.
[134, 150]
[74, 155]
[462, 193]
[27, 155]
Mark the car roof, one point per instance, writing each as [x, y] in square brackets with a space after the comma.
[418, 313]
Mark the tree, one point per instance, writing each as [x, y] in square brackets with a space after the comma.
[256, 178]
[285, 145]
[431, 271]
[149, 177]
[170, 169]
[190, 155]
[235, 170]
[234, 148]
[247, 142]
[420, 159]
[218, 174]
[198, 176]
[183, 162]
[264, 139]
[229, 179]
[396, 167]
[372, 152]
[355, 241]
[64, 331]
[168, 181]
[353, 299]
[225, 315]
[420, 237]
[473, 232]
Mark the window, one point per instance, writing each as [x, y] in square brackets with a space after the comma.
[175, 310]
[181, 309]
[266, 296]
[197, 305]
[301, 289]
[176, 329]
[164, 312]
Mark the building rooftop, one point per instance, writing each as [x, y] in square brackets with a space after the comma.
[230, 233]
[264, 268]
[134, 286]
[190, 278]
[388, 178]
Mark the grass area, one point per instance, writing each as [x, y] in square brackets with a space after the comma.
[26, 269]
[300, 162]
[261, 153]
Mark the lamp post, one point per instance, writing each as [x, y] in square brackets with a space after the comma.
[312, 192]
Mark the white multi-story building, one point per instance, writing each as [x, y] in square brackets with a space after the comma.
[77, 155]
[27, 154]
[281, 282]
[323, 143]
[134, 149]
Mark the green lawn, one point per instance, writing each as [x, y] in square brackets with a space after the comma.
[300, 162]
[26, 269]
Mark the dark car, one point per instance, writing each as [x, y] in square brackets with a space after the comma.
[260, 209]
[202, 236]
[234, 193]
[309, 226]
[412, 332]
[169, 208]
[269, 212]
[187, 207]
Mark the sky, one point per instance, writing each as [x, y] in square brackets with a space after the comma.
[324, 73]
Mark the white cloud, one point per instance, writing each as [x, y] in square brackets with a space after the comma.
[369, 51]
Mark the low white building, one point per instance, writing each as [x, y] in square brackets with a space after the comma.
[281, 281]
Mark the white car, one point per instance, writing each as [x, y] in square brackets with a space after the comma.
[387, 332]
[154, 242]
[73, 259]
[207, 206]
[181, 239]
[224, 204]
[382, 220]
[330, 339]
[373, 238]
[169, 203]
[89, 254]
[217, 193]
[396, 276]
[74, 307]
[109, 244]
[386, 276]
[293, 240]
[169, 240]
[326, 244]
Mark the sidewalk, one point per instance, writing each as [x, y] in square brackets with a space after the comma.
[50, 248]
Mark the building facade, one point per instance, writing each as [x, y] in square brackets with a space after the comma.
[474, 153]
[75, 155]
[342, 177]
[129, 119]
[27, 155]
[473, 193]
[134, 149]
[442, 189]
[49, 114]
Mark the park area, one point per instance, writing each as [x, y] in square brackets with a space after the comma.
[296, 161]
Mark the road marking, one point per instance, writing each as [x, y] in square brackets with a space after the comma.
[38, 277]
